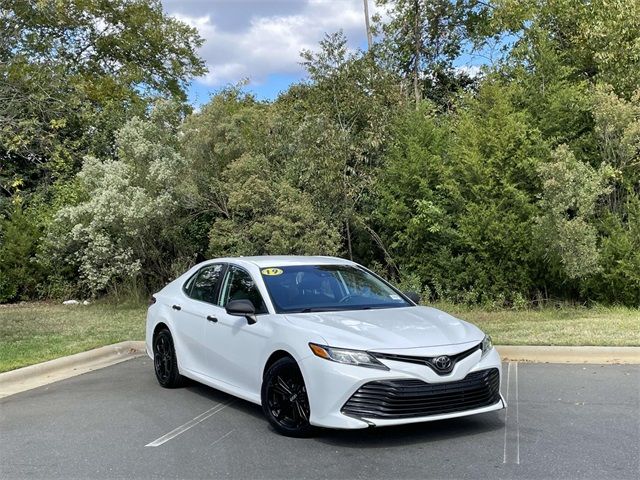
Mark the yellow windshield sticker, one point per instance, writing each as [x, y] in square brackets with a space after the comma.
[271, 271]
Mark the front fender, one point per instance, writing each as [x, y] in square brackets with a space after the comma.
[294, 341]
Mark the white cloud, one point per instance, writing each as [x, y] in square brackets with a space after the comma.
[253, 39]
[471, 70]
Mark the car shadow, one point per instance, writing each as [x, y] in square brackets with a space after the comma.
[379, 437]
[218, 396]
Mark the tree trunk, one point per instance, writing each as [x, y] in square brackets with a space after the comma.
[348, 233]
[416, 52]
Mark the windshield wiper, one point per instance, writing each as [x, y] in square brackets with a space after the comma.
[349, 308]
[318, 309]
[330, 309]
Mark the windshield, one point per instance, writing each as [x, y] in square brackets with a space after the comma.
[322, 288]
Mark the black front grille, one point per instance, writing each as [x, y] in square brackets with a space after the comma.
[429, 361]
[395, 399]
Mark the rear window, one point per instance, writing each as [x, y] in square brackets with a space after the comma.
[203, 285]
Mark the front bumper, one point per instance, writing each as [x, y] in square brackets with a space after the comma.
[330, 385]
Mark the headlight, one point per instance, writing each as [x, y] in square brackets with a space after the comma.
[349, 357]
[487, 345]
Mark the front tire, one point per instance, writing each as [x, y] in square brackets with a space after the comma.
[284, 399]
[165, 362]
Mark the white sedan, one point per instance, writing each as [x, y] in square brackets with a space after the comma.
[319, 341]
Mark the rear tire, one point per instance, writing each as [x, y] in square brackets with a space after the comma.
[284, 399]
[165, 362]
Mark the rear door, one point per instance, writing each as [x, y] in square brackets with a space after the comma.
[200, 297]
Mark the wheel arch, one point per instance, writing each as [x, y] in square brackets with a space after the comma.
[274, 357]
[161, 325]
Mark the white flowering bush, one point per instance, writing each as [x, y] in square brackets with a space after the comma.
[128, 224]
[570, 191]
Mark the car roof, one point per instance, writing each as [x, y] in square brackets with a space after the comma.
[286, 260]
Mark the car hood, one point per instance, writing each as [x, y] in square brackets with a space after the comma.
[388, 329]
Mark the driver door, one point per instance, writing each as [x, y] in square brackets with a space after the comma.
[236, 345]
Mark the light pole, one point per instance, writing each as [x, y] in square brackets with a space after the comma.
[366, 22]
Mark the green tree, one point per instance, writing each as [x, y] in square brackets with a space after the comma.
[340, 129]
[570, 191]
[415, 193]
[598, 39]
[421, 41]
[617, 131]
[456, 199]
[266, 215]
[20, 274]
[241, 190]
[73, 71]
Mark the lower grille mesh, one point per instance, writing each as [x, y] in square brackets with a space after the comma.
[396, 399]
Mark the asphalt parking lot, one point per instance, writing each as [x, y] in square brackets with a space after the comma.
[563, 421]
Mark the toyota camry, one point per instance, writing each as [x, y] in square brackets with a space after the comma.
[319, 342]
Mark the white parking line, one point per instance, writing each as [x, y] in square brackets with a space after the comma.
[190, 424]
[511, 437]
[222, 438]
[517, 421]
[506, 414]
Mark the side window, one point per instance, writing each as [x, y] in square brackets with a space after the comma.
[203, 285]
[239, 285]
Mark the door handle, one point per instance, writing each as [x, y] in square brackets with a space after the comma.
[211, 318]
[176, 307]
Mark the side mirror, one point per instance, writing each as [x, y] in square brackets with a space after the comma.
[413, 296]
[242, 308]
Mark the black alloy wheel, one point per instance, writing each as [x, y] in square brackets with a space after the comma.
[165, 362]
[284, 399]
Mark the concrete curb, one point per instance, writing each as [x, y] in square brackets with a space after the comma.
[545, 354]
[33, 376]
[44, 373]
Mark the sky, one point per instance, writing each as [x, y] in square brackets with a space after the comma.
[261, 40]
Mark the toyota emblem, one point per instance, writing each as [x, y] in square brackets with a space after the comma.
[442, 363]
